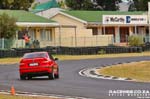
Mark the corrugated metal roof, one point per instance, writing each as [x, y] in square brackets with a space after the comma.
[46, 5]
[96, 16]
[24, 16]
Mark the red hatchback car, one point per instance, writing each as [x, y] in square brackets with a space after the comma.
[38, 64]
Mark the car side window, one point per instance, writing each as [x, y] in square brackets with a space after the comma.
[33, 55]
[41, 55]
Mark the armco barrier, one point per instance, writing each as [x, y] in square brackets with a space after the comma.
[72, 50]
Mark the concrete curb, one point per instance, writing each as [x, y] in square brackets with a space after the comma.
[92, 73]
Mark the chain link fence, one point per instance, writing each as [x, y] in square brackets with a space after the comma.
[103, 40]
[6, 43]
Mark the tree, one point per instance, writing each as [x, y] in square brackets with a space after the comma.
[8, 26]
[108, 5]
[16, 4]
[80, 4]
[62, 4]
[139, 5]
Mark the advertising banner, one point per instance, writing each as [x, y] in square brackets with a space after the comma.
[125, 19]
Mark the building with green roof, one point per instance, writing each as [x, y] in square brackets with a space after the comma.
[97, 16]
[81, 28]
[24, 16]
[37, 27]
[45, 6]
[119, 24]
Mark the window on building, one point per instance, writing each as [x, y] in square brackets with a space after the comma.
[108, 30]
[21, 33]
[124, 34]
[46, 34]
[147, 31]
[135, 30]
[95, 31]
[32, 34]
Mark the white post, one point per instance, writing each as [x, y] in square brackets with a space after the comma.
[75, 37]
[148, 38]
[149, 20]
[99, 30]
[3, 43]
[135, 30]
[104, 30]
[148, 7]
[60, 36]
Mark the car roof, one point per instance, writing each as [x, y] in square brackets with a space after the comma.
[35, 52]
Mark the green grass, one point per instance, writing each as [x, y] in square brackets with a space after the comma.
[140, 71]
[79, 57]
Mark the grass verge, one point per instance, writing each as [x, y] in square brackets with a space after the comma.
[79, 57]
[138, 71]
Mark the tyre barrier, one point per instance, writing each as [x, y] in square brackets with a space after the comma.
[16, 52]
[146, 48]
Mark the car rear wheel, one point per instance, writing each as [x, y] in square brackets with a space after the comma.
[57, 75]
[22, 77]
[29, 77]
[51, 75]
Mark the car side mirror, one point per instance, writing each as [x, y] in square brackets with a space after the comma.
[56, 59]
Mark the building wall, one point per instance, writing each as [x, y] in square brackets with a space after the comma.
[69, 31]
[79, 36]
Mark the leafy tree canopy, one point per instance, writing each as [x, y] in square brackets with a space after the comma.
[79, 4]
[110, 5]
[16, 4]
[138, 5]
[8, 26]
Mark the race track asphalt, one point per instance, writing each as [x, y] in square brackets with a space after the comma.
[70, 82]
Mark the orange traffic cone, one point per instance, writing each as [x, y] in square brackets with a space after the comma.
[13, 90]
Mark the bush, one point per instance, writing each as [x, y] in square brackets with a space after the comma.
[135, 40]
[102, 51]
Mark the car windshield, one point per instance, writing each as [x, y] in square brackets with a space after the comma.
[34, 55]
